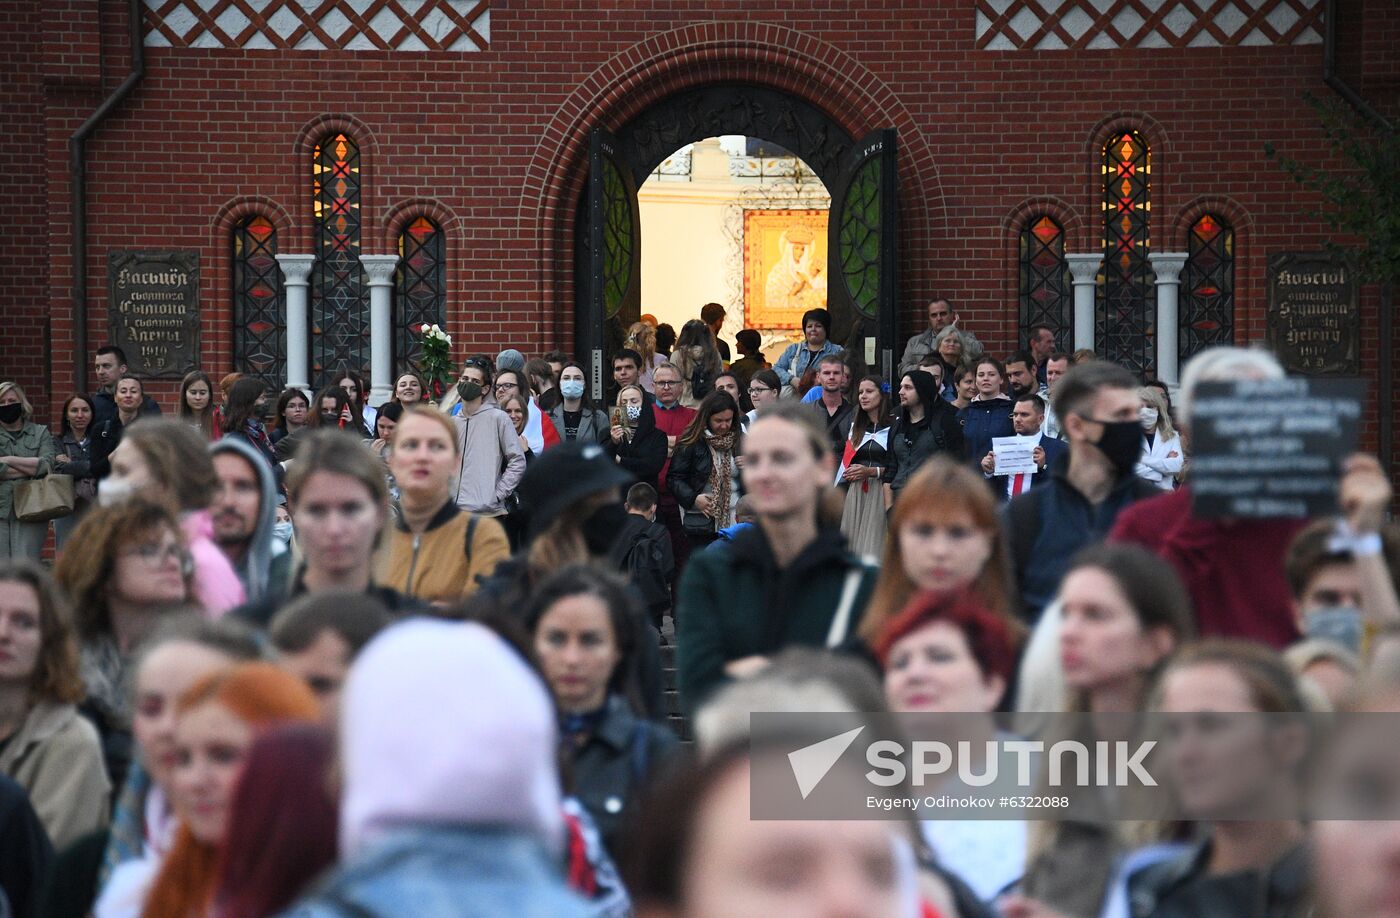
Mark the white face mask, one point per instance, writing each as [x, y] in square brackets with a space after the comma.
[1148, 417]
[282, 532]
[113, 491]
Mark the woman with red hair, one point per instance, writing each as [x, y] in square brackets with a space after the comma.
[219, 719]
[950, 654]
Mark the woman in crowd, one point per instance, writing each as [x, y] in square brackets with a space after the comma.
[129, 395]
[801, 356]
[926, 426]
[244, 414]
[584, 624]
[866, 454]
[436, 552]
[177, 653]
[698, 852]
[964, 389]
[340, 502]
[574, 415]
[197, 404]
[944, 539]
[409, 389]
[125, 569]
[517, 408]
[641, 338]
[697, 360]
[1163, 456]
[1124, 612]
[330, 410]
[45, 745]
[353, 384]
[704, 472]
[765, 388]
[27, 451]
[947, 653]
[1240, 777]
[281, 825]
[989, 414]
[537, 431]
[790, 580]
[293, 414]
[226, 384]
[217, 720]
[386, 420]
[749, 344]
[953, 349]
[162, 457]
[633, 439]
[665, 340]
[74, 457]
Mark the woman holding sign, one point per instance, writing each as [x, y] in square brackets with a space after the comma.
[863, 458]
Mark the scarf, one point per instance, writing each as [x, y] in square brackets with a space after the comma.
[258, 435]
[721, 481]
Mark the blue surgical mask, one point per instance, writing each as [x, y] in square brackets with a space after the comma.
[1338, 624]
[571, 388]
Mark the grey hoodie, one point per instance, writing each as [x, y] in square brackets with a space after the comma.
[257, 560]
[492, 460]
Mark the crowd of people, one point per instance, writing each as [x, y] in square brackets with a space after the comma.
[297, 655]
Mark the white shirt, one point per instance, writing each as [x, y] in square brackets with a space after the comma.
[1157, 465]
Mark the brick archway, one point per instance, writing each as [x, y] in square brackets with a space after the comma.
[668, 63]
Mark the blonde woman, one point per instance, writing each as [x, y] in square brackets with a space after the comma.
[641, 338]
[1163, 456]
[27, 450]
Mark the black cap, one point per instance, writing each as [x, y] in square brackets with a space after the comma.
[562, 476]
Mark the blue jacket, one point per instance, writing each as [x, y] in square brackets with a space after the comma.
[982, 422]
[1055, 451]
[446, 872]
[790, 372]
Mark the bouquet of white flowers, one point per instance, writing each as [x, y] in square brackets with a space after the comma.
[436, 363]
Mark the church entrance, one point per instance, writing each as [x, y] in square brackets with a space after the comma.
[818, 211]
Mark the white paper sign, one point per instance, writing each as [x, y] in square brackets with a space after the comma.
[1013, 455]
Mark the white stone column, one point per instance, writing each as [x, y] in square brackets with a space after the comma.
[1168, 266]
[1084, 270]
[296, 269]
[380, 269]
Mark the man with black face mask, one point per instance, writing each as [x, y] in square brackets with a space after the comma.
[492, 460]
[1097, 404]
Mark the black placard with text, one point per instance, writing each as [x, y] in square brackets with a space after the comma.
[1271, 448]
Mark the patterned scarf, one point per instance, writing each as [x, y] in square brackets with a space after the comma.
[721, 479]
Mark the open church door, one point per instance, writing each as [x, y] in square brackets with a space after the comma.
[863, 293]
[611, 267]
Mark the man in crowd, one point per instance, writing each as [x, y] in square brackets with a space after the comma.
[643, 551]
[244, 510]
[1040, 341]
[556, 361]
[1027, 417]
[1098, 406]
[831, 377]
[109, 366]
[940, 316]
[712, 314]
[492, 460]
[672, 418]
[1020, 371]
[1056, 365]
[627, 371]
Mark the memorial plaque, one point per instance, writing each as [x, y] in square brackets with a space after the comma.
[1314, 324]
[1271, 448]
[153, 310]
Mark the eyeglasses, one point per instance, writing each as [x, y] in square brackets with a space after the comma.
[507, 385]
[755, 390]
[158, 554]
[665, 383]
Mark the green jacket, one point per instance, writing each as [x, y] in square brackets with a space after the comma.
[736, 602]
[29, 440]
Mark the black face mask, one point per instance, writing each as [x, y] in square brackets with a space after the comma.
[602, 528]
[469, 390]
[1121, 443]
[329, 420]
[11, 413]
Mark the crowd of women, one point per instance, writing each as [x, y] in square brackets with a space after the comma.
[398, 705]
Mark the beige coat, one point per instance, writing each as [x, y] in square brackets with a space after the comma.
[56, 756]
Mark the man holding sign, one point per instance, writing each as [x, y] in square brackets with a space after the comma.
[1017, 464]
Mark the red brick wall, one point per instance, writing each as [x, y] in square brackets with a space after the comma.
[493, 143]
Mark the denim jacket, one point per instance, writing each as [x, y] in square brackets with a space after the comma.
[448, 871]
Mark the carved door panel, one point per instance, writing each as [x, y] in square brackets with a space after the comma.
[611, 264]
[864, 295]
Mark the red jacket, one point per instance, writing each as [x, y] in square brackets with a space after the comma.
[672, 423]
[1233, 569]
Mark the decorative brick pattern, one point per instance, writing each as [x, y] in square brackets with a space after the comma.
[319, 25]
[1094, 25]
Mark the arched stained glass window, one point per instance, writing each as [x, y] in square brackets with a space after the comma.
[259, 329]
[339, 295]
[1208, 286]
[1046, 290]
[1127, 303]
[420, 289]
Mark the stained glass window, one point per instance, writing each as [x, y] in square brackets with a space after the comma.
[618, 242]
[339, 295]
[259, 331]
[1208, 286]
[1045, 287]
[1127, 307]
[420, 289]
[860, 238]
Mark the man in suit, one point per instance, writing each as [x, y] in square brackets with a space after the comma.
[1027, 417]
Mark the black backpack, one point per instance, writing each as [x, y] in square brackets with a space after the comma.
[644, 563]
